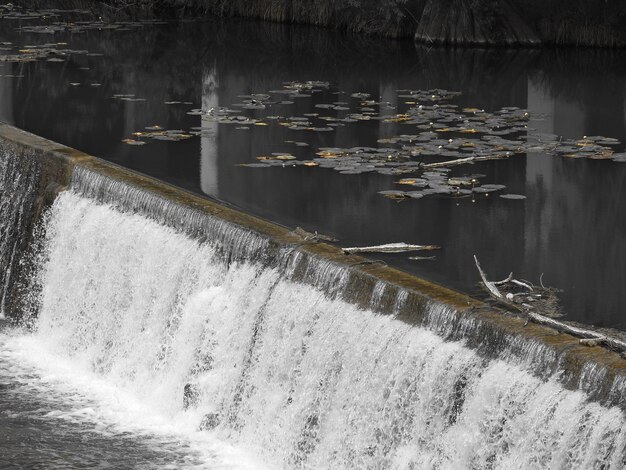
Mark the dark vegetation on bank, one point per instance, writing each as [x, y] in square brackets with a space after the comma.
[460, 22]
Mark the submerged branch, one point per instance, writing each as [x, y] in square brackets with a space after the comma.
[462, 161]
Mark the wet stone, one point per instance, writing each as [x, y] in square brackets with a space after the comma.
[190, 396]
[210, 422]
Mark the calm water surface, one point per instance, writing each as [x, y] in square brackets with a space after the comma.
[571, 227]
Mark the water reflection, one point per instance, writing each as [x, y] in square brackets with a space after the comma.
[570, 226]
[209, 141]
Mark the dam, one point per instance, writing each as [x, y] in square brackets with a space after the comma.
[151, 314]
[161, 306]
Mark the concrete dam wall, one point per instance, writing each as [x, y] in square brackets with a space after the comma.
[306, 357]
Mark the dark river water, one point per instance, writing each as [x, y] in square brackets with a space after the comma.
[571, 228]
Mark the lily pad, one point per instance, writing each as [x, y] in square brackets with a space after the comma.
[513, 196]
[394, 194]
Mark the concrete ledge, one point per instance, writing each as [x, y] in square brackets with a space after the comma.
[493, 333]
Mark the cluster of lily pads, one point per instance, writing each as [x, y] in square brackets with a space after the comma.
[52, 52]
[440, 183]
[458, 135]
[82, 26]
[314, 121]
[443, 135]
[12, 11]
[56, 24]
[157, 133]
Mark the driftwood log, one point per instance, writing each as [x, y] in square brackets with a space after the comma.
[388, 248]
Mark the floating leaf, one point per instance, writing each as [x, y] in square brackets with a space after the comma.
[493, 187]
[255, 165]
[408, 181]
[133, 142]
[394, 194]
[512, 196]
[467, 181]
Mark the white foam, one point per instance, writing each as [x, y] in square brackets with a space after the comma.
[132, 311]
[86, 399]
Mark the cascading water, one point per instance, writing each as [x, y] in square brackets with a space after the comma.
[281, 370]
[18, 178]
[204, 339]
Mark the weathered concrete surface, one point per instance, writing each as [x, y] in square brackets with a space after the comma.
[491, 332]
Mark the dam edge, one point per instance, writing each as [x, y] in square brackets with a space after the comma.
[491, 332]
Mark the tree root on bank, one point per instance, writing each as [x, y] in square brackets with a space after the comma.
[545, 301]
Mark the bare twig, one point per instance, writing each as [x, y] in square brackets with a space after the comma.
[525, 284]
[503, 281]
[463, 161]
[491, 287]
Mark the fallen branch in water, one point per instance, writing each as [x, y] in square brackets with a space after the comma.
[459, 161]
[491, 287]
[588, 337]
[462, 161]
[389, 248]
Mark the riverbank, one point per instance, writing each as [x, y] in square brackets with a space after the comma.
[583, 23]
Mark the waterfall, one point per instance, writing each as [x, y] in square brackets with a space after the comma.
[206, 330]
[244, 344]
[18, 180]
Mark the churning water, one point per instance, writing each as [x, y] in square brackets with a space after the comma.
[153, 348]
